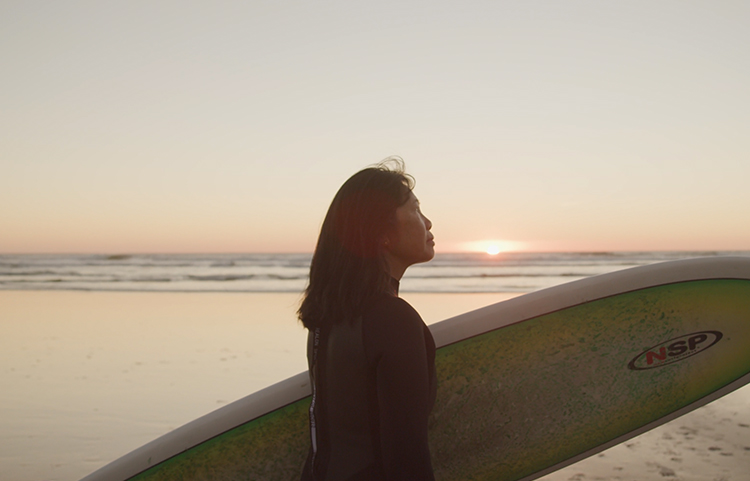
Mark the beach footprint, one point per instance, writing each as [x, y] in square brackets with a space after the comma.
[577, 477]
[662, 470]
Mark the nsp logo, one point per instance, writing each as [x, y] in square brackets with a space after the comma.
[675, 350]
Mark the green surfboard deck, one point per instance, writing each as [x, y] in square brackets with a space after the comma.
[518, 400]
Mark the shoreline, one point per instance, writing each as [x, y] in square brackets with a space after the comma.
[89, 376]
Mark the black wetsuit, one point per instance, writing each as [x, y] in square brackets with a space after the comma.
[373, 389]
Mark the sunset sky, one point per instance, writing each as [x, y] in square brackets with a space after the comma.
[183, 126]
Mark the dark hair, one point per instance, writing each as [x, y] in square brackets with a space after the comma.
[348, 267]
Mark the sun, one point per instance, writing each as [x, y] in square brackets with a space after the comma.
[493, 250]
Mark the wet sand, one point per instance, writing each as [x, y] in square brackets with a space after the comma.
[88, 376]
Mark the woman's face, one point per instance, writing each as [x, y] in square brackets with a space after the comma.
[410, 242]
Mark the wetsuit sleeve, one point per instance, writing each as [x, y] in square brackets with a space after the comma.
[403, 390]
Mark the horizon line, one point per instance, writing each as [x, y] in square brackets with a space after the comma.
[571, 251]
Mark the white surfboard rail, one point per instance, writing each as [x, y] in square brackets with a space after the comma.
[448, 332]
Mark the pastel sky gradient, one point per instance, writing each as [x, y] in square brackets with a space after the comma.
[183, 126]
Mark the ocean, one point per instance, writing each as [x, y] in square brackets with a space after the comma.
[447, 273]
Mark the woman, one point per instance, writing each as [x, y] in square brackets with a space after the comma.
[371, 357]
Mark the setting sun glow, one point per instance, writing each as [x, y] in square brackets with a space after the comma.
[492, 247]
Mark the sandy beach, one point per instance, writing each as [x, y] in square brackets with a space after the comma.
[88, 376]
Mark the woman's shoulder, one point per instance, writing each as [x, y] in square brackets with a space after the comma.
[390, 314]
[392, 327]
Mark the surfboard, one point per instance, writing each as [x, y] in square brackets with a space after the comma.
[525, 386]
